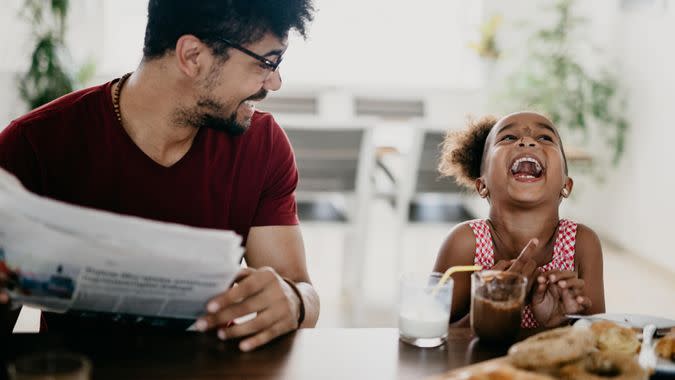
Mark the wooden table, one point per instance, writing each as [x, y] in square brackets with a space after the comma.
[306, 354]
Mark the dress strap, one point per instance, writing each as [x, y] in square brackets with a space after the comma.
[485, 254]
[565, 245]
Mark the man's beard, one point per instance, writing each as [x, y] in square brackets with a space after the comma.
[207, 114]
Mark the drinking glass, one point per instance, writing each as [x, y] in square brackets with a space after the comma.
[50, 366]
[424, 309]
[497, 300]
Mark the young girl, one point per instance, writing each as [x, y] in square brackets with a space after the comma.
[518, 164]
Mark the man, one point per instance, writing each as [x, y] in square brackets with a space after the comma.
[179, 140]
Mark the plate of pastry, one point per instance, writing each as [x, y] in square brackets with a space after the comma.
[587, 350]
[638, 321]
[665, 351]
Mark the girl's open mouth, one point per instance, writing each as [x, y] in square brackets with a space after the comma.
[527, 169]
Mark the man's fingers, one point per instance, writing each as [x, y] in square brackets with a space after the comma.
[243, 273]
[262, 321]
[250, 285]
[4, 297]
[255, 303]
[266, 335]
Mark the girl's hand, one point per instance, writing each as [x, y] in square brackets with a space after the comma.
[525, 265]
[503, 265]
[573, 296]
[558, 293]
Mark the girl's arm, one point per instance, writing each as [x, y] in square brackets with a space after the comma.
[458, 249]
[588, 263]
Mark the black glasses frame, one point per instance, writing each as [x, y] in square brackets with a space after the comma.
[269, 64]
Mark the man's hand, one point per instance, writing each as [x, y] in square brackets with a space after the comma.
[558, 293]
[260, 291]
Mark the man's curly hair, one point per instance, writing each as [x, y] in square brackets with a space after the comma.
[240, 21]
[462, 151]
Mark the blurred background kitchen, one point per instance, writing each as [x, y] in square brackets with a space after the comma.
[367, 98]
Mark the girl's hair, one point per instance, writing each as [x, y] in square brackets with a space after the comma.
[462, 151]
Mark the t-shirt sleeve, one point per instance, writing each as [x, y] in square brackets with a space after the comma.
[18, 157]
[277, 205]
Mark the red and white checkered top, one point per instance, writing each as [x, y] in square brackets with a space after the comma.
[563, 254]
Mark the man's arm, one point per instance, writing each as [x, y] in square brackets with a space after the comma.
[272, 252]
[282, 248]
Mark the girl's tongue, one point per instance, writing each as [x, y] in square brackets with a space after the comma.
[526, 170]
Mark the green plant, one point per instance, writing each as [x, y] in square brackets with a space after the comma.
[581, 100]
[48, 77]
[487, 47]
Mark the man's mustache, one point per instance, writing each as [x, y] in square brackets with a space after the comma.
[260, 95]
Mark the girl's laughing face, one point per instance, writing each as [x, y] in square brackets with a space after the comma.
[523, 160]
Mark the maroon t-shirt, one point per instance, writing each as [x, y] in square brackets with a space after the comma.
[75, 150]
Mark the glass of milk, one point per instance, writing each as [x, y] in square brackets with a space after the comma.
[424, 312]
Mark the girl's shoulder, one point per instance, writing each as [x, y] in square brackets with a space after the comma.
[586, 236]
[465, 232]
[459, 246]
[588, 249]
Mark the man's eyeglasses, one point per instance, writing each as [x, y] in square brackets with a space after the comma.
[269, 65]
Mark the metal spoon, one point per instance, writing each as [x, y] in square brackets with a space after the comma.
[647, 357]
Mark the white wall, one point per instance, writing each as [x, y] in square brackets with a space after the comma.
[84, 34]
[387, 44]
[634, 207]
[15, 36]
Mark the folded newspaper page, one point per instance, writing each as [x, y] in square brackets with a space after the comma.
[60, 257]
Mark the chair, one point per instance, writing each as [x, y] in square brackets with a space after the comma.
[423, 195]
[335, 162]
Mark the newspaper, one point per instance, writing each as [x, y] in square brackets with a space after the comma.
[63, 258]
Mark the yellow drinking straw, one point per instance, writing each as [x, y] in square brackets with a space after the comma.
[450, 271]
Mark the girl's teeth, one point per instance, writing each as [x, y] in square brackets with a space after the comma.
[526, 159]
